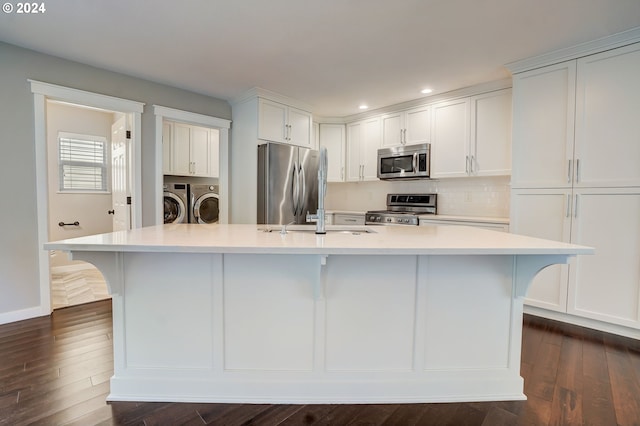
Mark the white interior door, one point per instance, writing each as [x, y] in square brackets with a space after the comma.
[119, 181]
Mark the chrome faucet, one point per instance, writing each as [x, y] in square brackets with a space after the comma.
[318, 218]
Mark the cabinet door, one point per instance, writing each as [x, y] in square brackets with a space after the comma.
[392, 129]
[491, 134]
[543, 119]
[417, 124]
[272, 117]
[607, 151]
[354, 137]
[300, 125]
[332, 137]
[544, 214]
[370, 143]
[167, 150]
[450, 155]
[200, 152]
[214, 152]
[181, 149]
[606, 286]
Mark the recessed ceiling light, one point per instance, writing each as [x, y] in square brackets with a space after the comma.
[426, 91]
[363, 106]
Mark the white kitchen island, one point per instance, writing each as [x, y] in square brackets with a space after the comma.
[231, 313]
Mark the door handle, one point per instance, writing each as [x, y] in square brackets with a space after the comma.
[294, 189]
[303, 199]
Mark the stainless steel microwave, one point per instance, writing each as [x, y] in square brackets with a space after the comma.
[404, 162]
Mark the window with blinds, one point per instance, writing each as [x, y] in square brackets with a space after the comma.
[82, 163]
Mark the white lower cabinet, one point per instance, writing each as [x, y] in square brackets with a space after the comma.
[545, 213]
[492, 226]
[348, 219]
[605, 286]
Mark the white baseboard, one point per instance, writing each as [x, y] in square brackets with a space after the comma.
[21, 314]
[583, 322]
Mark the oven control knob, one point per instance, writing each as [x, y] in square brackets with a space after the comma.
[388, 219]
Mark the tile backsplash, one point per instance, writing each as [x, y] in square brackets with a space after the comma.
[478, 196]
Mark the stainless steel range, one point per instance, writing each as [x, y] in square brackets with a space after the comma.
[403, 209]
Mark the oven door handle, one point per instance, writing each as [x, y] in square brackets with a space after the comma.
[415, 162]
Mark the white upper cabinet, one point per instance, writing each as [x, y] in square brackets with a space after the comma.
[543, 107]
[407, 127]
[392, 129]
[333, 137]
[363, 141]
[190, 150]
[598, 97]
[607, 148]
[450, 147]
[472, 136]
[490, 145]
[285, 124]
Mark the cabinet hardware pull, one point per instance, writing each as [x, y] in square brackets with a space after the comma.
[76, 223]
[569, 171]
[473, 159]
[568, 205]
[575, 212]
[466, 165]
[111, 212]
[578, 170]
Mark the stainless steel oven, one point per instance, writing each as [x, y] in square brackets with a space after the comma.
[403, 209]
[404, 162]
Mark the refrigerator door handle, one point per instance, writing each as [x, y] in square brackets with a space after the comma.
[303, 195]
[294, 189]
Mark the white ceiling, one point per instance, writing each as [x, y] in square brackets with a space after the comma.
[330, 54]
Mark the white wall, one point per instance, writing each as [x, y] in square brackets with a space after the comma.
[90, 209]
[480, 196]
[19, 275]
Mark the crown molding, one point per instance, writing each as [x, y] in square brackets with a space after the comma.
[584, 49]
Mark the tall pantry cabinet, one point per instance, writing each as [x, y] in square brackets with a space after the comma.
[576, 178]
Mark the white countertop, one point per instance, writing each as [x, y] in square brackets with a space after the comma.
[398, 240]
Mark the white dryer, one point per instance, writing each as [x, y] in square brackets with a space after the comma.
[205, 205]
[176, 203]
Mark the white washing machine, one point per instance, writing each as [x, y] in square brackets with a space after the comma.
[205, 205]
[176, 203]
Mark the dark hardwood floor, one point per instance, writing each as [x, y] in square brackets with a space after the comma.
[55, 370]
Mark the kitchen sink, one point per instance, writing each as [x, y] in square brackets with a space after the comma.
[311, 229]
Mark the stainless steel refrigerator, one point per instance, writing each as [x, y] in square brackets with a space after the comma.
[287, 183]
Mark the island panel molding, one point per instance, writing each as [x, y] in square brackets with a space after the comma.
[231, 313]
